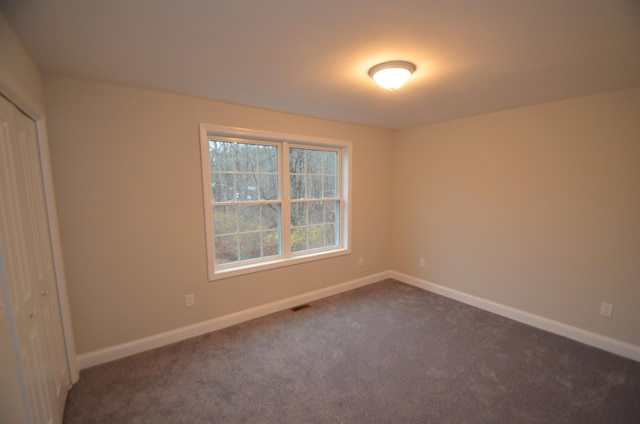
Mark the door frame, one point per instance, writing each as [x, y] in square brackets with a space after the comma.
[33, 111]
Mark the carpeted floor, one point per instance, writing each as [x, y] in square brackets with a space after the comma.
[384, 353]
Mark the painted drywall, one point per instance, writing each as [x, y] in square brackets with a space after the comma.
[126, 165]
[536, 208]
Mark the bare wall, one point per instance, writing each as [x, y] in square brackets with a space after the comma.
[126, 166]
[536, 208]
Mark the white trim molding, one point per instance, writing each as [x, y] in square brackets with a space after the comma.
[112, 353]
[599, 341]
[56, 247]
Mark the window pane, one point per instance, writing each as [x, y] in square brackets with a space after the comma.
[247, 187]
[249, 246]
[330, 187]
[315, 225]
[299, 239]
[226, 249]
[243, 171]
[316, 213]
[331, 235]
[271, 216]
[225, 219]
[315, 236]
[240, 232]
[297, 161]
[249, 218]
[268, 159]
[297, 187]
[246, 157]
[314, 161]
[221, 155]
[268, 187]
[314, 187]
[330, 163]
[271, 243]
[222, 187]
[331, 211]
[298, 214]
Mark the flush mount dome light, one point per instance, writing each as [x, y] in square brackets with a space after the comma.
[392, 75]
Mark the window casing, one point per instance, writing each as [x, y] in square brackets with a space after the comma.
[272, 199]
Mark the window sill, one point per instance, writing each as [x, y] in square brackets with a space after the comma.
[243, 269]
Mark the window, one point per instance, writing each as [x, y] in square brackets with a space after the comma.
[272, 199]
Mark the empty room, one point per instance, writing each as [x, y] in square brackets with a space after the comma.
[336, 211]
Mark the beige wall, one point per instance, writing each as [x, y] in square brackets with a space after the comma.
[537, 208]
[126, 166]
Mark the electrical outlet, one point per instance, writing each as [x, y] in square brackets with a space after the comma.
[189, 300]
[422, 262]
[360, 261]
[606, 309]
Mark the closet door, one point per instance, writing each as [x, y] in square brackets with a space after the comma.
[12, 407]
[29, 270]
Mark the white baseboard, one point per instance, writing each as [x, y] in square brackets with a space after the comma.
[618, 347]
[112, 353]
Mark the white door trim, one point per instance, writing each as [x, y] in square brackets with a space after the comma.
[56, 247]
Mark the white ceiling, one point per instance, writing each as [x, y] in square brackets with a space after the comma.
[311, 57]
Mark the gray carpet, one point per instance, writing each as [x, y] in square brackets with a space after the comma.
[385, 353]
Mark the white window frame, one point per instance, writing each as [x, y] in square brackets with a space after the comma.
[217, 272]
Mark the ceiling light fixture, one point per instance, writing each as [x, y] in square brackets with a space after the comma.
[392, 75]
